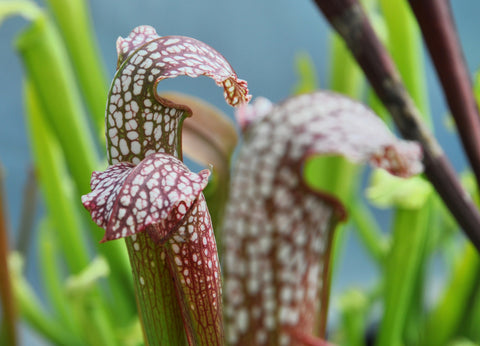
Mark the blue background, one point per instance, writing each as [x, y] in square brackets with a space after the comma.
[260, 38]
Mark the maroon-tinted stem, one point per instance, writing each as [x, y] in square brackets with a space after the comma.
[29, 206]
[157, 296]
[435, 20]
[324, 294]
[349, 19]
[6, 295]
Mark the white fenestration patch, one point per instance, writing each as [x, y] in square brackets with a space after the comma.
[274, 226]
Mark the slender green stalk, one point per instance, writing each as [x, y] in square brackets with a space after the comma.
[353, 305]
[405, 46]
[477, 87]
[89, 307]
[55, 184]
[307, 74]
[401, 273]
[49, 70]
[159, 311]
[57, 191]
[31, 309]
[25, 8]
[369, 232]
[77, 33]
[52, 279]
[445, 319]
[472, 319]
[347, 77]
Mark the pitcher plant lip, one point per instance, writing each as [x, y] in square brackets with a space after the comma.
[125, 198]
[139, 121]
[181, 55]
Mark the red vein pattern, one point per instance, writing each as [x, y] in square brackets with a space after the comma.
[162, 197]
[159, 191]
[150, 198]
[138, 120]
[277, 231]
[192, 254]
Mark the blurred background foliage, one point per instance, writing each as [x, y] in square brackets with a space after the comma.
[407, 277]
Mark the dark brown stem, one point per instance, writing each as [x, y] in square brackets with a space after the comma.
[349, 19]
[435, 20]
[6, 294]
[29, 206]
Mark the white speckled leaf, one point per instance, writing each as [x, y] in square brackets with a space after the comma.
[277, 231]
[327, 123]
[139, 36]
[125, 199]
[105, 189]
[139, 122]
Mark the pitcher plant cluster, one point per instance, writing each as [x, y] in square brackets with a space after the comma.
[242, 252]
[277, 231]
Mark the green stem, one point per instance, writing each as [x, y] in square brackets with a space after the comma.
[77, 33]
[57, 190]
[346, 77]
[32, 311]
[54, 182]
[405, 46]
[369, 232]
[155, 291]
[353, 305]
[54, 287]
[471, 320]
[401, 273]
[57, 95]
[445, 319]
[50, 72]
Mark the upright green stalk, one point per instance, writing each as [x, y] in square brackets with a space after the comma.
[49, 70]
[77, 32]
[60, 203]
[52, 278]
[53, 178]
[444, 321]
[31, 309]
[410, 234]
[51, 76]
[405, 46]
[157, 305]
[347, 77]
[353, 306]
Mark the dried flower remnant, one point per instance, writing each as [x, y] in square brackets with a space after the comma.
[278, 230]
